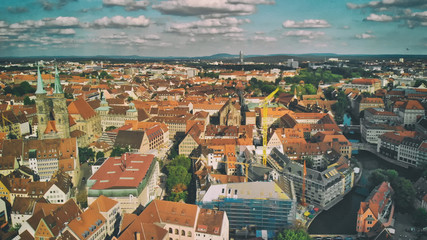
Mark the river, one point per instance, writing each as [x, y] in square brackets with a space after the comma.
[341, 219]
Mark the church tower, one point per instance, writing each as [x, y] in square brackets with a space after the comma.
[52, 112]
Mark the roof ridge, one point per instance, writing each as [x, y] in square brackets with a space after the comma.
[157, 210]
[143, 232]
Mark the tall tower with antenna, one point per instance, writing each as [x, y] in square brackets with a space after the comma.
[241, 57]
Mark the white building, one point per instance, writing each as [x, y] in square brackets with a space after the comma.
[109, 209]
[410, 112]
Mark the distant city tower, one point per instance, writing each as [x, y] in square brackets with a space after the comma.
[241, 57]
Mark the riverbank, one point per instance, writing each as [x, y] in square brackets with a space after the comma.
[358, 177]
[341, 219]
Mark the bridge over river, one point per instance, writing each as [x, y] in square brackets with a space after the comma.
[373, 149]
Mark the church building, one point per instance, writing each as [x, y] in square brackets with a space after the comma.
[52, 113]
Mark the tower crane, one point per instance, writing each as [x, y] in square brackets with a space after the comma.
[264, 105]
[4, 118]
[303, 185]
[240, 163]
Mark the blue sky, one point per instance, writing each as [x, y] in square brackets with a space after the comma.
[205, 27]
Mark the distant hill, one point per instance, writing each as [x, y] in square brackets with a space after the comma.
[273, 58]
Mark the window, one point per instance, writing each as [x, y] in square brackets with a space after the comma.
[189, 234]
[170, 230]
[182, 233]
[176, 231]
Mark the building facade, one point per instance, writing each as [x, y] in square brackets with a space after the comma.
[261, 204]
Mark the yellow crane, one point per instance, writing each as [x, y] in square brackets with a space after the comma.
[4, 118]
[264, 105]
[240, 163]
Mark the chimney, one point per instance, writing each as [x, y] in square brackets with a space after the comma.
[137, 236]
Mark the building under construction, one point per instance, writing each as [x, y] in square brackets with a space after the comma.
[260, 206]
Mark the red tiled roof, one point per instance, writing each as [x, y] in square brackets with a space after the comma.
[412, 105]
[82, 108]
[365, 81]
[50, 127]
[126, 171]
[372, 100]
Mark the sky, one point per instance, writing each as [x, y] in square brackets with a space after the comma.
[161, 28]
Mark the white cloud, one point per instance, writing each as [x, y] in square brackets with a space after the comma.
[265, 38]
[211, 8]
[402, 10]
[308, 23]
[386, 4]
[62, 22]
[120, 21]
[235, 37]
[304, 33]
[224, 22]
[253, 2]
[209, 26]
[66, 31]
[7, 32]
[120, 35]
[47, 23]
[379, 18]
[152, 37]
[364, 36]
[129, 5]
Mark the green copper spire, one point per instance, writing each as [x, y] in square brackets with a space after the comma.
[57, 87]
[40, 86]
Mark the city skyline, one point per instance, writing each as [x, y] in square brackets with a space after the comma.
[192, 28]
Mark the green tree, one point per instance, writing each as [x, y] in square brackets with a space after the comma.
[293, 234]
[420, 217]
[340, 107]
[28, 101]
[26, 87]
[15, 227]
[177, 175]
[377, 177]
[7, 90]
[20, 90]
[137, 79]
[11, 136]
[105, 75]
[118, 151]
[419, 82]
[404, 192]
[328, 93]
[130, 99]
[310, 89]
[177, 196]
[86, 154]
[181, 160]
[82, 198]
[109, 128]
[68, 95]
[99, 155]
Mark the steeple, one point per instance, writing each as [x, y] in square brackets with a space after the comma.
[40, 85]
[57, 88]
